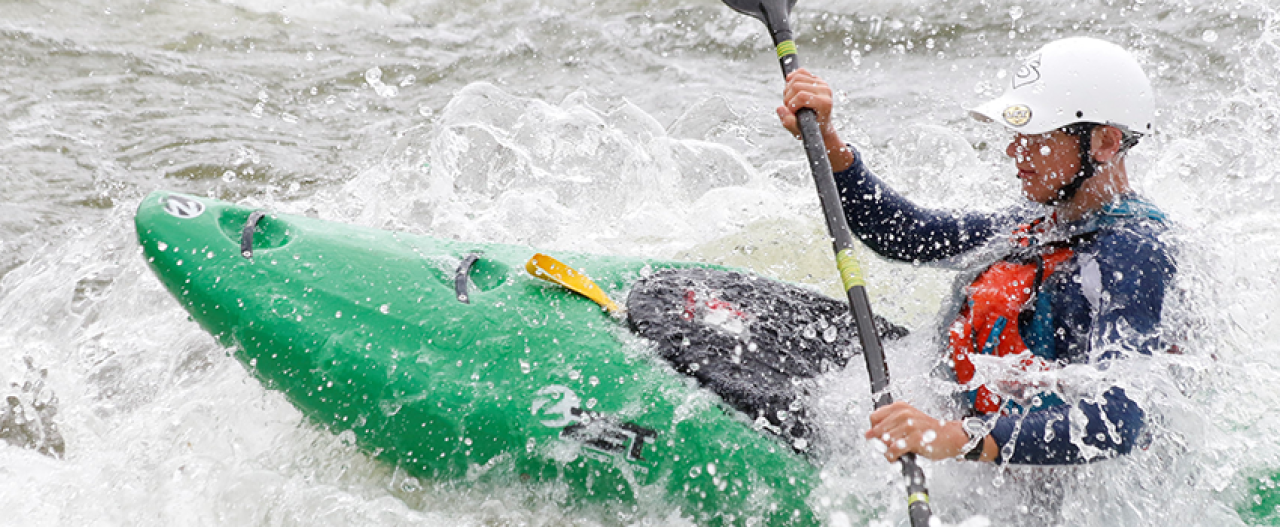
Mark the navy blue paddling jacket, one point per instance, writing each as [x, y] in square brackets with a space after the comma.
[1100, 305]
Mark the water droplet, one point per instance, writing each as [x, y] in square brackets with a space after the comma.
[879, 446]
[373, 76]
[385, 309]
[830, 334]
[1209, 36]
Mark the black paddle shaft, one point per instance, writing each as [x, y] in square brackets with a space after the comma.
[774, 14]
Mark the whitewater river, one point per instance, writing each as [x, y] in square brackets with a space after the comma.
[622, 127]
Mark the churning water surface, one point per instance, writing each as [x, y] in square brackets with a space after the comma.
[642, 128]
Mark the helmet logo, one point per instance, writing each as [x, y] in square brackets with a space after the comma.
[1028, 73]
[1017, 115]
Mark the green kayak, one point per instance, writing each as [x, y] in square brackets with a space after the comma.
[447, 359]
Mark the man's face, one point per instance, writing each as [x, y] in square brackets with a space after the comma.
[1045, 162]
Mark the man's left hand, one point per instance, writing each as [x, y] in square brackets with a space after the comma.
[903, 428]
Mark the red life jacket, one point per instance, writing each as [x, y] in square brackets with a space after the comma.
[988, 319]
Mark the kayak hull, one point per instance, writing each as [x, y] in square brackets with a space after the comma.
[504, 379]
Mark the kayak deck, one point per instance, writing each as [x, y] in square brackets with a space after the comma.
[520, 382]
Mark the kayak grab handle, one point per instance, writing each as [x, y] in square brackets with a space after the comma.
[253, 230]
[462, 277]
[246, 234]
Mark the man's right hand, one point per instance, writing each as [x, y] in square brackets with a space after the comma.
[806, 90]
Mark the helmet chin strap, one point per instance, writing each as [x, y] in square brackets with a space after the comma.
[1088, 167]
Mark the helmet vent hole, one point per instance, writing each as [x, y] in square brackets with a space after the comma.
[1079, 114]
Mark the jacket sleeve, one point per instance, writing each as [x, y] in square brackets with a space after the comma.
[896, 228]
[1107, 427]
[1109, 310]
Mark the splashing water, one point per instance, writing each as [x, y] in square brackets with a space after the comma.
[634, 128]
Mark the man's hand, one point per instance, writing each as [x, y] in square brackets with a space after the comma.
[806, 90]
[902, 428]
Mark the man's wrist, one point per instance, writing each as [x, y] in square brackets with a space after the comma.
[840, 154]
[976, 430]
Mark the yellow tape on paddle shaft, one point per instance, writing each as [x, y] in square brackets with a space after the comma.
[918, 496]
[786, 47]
[552, 270]
[850, 269]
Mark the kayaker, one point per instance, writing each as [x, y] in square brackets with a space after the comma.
[1079, 277]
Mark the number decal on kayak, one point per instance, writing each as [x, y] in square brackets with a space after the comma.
[563, 409]
[560, 408]
[183, 207]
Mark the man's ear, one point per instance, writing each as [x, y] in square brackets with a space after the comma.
[1106, 142]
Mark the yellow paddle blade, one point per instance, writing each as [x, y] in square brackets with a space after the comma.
[552, 270]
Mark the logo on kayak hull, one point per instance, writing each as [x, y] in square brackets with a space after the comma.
[560, 407]
[183, 207]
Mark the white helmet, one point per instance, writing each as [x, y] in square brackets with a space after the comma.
[1075, 80]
